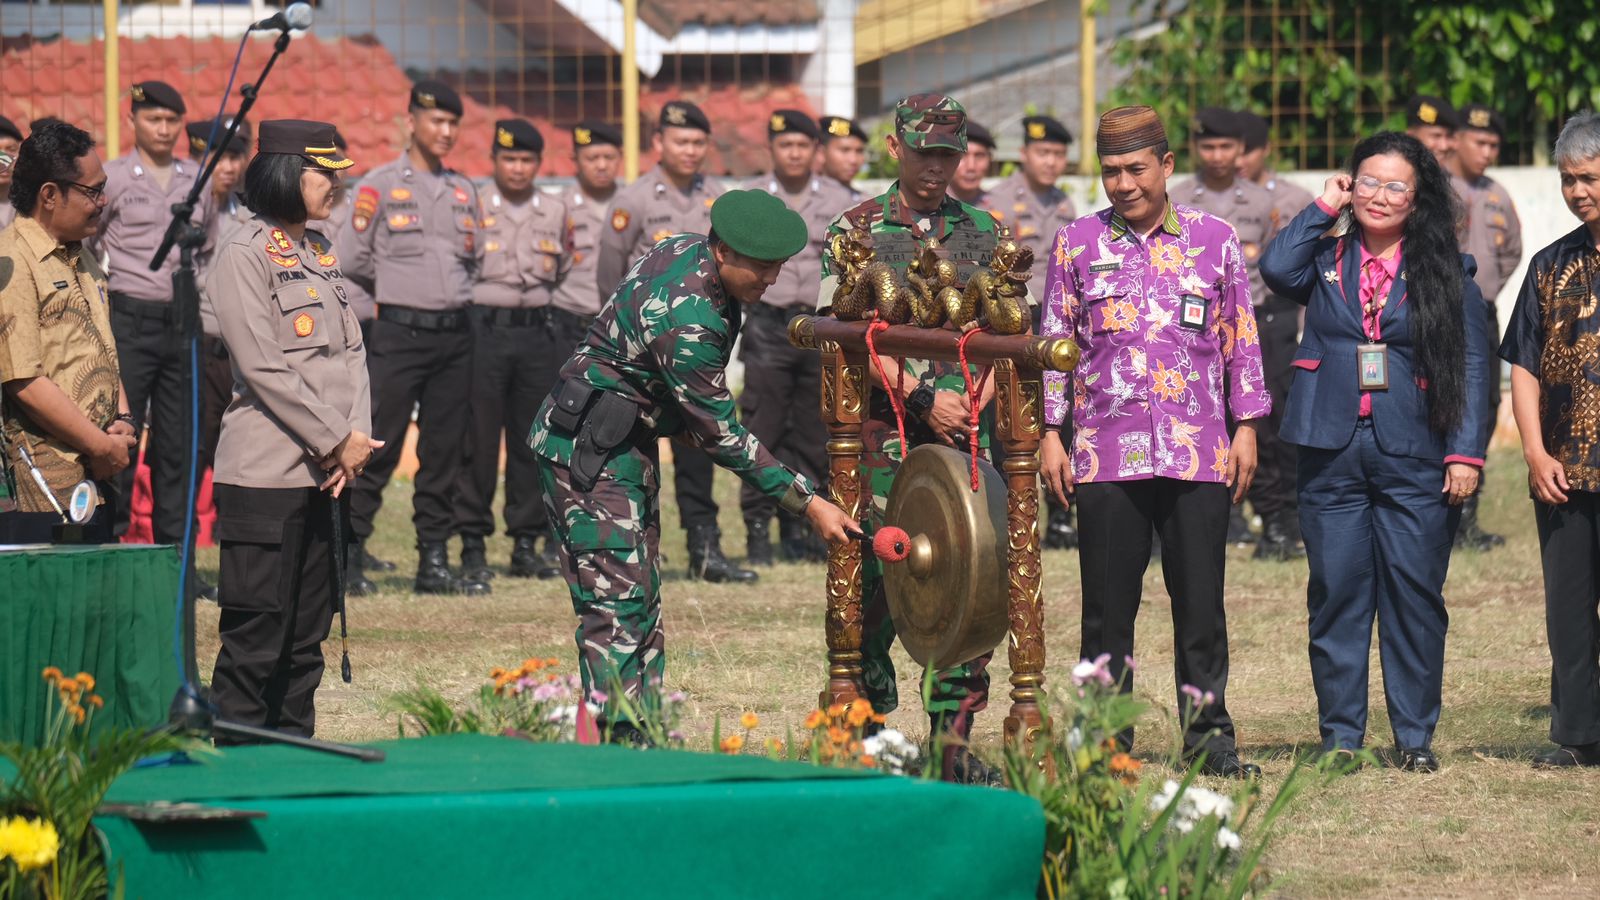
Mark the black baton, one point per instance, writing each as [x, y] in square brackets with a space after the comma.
[338, 586]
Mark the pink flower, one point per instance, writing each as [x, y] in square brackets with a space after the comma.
[1098, 669]
[599, 696]
[1197, 697]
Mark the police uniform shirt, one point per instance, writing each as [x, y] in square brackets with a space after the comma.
[299, 367]
[1491, 232]
[1288, 199]
[577, 293]
[1248, 207]
[412, 237]
[643, 213]
[523, 249]
[230, 215]
[360, 298]
[1033, 218]
[819, 203]
[138, 210]
[55, 323]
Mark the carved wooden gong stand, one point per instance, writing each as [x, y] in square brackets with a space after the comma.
[1018, 362]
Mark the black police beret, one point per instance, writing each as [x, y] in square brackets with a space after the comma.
[1043, 128]
[1255, 130]
[977, 134]
[517, 134]
[152, 94]
[436, 95]
[683, 114]
[200, 132]
[792, 121]
[839, 126]
[1216, 122]
[1482, 118]
[588, 133]
[9, 129]
[1425, 109]
[301, 137]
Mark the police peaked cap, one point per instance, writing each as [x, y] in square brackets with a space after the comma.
[1042, 128]
[156, 95]
[8, 128]
[792, 121]
[200, 133]
[435, 95]
[977, 134]
[1255, 130]
[1482, 118]
[683, 114]
[302, 137]
[517, 134]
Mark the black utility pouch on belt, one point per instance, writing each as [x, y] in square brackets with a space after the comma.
[600, 421]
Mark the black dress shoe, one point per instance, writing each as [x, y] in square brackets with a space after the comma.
[1418, 759]
[1569, 756]
[1228, 765]
[1058, 531]
[475, 560]
[204, 590]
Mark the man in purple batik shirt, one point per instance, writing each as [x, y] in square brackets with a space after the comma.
[1158, 299]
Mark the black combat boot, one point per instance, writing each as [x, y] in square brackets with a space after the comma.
[373, 563]
[758, 541]
[1058, 531]
[797, 542]
[707, 562]
[434, 575]
[1238, 529]
[475, 559]
[1278, 541]
[1470, 534]
[356, 582]
[957, 763]
[528, 562]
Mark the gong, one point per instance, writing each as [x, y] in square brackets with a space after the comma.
[948, 595]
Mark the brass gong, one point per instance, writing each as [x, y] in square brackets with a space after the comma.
[948, 596]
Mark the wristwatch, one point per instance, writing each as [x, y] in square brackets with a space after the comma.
[920, 401]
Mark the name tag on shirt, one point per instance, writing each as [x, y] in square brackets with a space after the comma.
[1110, 265]
[1194, 312]
[1373, 368]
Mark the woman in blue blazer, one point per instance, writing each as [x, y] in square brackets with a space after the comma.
[1389, 447]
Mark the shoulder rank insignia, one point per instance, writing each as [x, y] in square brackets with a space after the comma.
[281, 241]
[400, 193]
[366, 206]
[304, 325]
[619, 220]
[287, 262]
[324, 258]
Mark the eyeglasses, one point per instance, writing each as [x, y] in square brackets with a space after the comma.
[96, 195]
[1367, 186]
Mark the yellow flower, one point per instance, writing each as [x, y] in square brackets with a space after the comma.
[31, 843]
[749, 720]
[51, 674]
[733, 743]
[85, 680]
[859, 714]
[816, 720]
[78, 714]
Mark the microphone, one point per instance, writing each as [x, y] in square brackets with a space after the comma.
[296, 18]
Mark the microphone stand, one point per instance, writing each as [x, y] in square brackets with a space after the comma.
[191, 712]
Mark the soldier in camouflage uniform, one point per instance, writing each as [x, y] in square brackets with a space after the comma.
[654, 365]
[930, 140]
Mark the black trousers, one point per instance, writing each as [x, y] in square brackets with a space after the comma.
[692, 471]
[1115, 521]
[781, 403]
[216, 392]
[277, 596]
[1569, 546]
[431, 372]
[155, 374]
[513, 369]
[1273, 491]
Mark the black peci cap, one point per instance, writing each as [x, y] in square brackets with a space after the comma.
[683, 114]
[156, 95]
[300, 137]
[792, 121]
[435, 95]
[1482, 118]
[1216, 122]
[977, 134]
[1425, 109]
[517, 134]
[9, 129]
[589, 133]
[838, 126]
[1256, 131]
[1042, 128]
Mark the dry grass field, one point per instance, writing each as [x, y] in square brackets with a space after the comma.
[1487, 825]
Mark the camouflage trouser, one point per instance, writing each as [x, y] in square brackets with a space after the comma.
[964, 686]
[610, 543]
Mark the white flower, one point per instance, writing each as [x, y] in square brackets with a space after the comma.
[1228, 840]
[564, 715]
[1075, 739]
[893, 750]
[1208, 803]
[1332, 275]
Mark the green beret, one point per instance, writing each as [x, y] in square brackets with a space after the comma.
[758, 225]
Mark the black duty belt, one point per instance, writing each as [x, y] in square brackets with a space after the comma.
[501, 317]
[140, 309]
[451, 320]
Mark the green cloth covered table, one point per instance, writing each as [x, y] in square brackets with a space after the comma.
[108, 611]
[475, 816]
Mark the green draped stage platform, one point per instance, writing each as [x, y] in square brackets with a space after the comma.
[108, 611]
[473, 816]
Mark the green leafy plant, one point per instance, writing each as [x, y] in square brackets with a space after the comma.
[48, 848]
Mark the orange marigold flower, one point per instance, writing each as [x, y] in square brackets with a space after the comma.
[497, 673]
[879, 718]
[869, 762]
[1122, 763]
[859, 715]
[816, 720]
[838, 735]
[51, 674]
[97, 701]
[532, 665]
[749, 720]
[552, 661]
[78, 715]
[85, 679]
[774, 745]
[836, 710]
[733, 743]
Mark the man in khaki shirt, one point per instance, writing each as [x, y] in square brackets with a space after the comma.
[1028, 201]
[1288, 198]
[967, 185]
[843, 153]
[779, 379]
[63, 401]
[597, 152]
[675, 197]
[523, 253]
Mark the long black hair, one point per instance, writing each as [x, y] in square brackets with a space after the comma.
[272, 187]
[1434, 276]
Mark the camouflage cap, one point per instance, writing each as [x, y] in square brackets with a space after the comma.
[926, 121]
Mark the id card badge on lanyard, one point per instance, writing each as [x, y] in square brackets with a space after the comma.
[1372, 357]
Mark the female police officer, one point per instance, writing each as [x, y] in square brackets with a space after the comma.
[294, 435]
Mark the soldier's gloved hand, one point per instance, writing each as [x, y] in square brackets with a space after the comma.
[831, 523]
